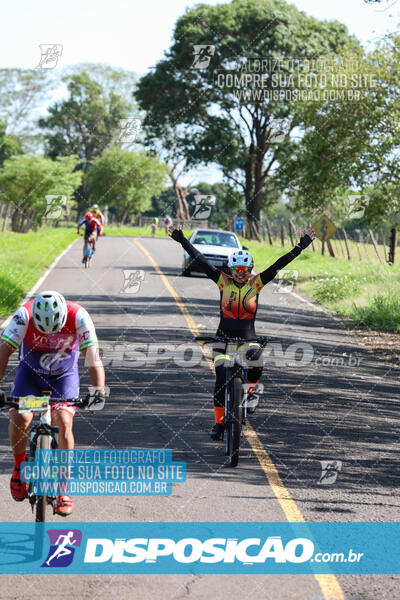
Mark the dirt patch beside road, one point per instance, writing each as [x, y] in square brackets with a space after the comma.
[382, 344]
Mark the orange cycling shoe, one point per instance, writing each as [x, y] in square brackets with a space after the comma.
[64, 506]
[18, 488]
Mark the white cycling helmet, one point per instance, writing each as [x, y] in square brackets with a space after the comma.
[241, 258]
[49, 312]
[95, 206]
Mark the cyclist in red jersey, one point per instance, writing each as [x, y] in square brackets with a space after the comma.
[49, 333]
[239, 293]
[91, 226]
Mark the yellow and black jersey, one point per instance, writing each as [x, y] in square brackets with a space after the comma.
[98, 215]
[239, 302]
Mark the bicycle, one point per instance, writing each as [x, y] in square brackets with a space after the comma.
[236, 377]
[43, 436]
[88, 251]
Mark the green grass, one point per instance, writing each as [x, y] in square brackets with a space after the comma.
[383, 313]
[332, 289]
[23, 259]
[354, 288]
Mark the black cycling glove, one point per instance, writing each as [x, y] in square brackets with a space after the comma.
[254, 354]
[96, 402]
[178, 236]
[305, 241]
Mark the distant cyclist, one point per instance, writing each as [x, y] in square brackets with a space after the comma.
[96, 212]
[167, 223]
[91, 226]
[154, 225]
[50, 333]
[239, 292]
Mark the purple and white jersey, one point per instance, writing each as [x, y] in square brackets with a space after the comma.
[53, 353]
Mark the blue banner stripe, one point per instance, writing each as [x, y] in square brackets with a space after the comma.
[208, 548]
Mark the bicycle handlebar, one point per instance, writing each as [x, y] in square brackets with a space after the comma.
[13, 401]
[262, 340]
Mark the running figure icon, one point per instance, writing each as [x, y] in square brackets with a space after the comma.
[62, 549]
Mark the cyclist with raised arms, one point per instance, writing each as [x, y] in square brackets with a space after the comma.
[50, 333]
[91, 225]
[239, 294]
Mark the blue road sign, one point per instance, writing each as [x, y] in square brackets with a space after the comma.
[239, 224]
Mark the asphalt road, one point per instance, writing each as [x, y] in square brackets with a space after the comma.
[337, 404]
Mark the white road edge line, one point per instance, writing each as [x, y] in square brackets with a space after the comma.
[314, 306]
[39, 282]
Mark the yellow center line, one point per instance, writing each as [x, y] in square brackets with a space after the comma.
[328, 583]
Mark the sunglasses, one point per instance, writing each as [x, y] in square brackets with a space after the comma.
[241, 269]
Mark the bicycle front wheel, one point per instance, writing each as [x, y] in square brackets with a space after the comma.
[234, 421]
[90, 255]
[44, 443]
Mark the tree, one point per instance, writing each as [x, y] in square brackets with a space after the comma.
[350, 146]
[324, 163]
[228, 202]
[85, 124]
[181, 205]
[162, 204]
[170, 154]
[22, 93]
[125, 181]
[211, 120]
[378, 165]
[111, 81]
[26, 180]
[9, 144]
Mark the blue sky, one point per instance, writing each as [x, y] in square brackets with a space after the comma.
[134, 34]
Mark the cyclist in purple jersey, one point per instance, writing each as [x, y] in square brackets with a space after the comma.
[50, 333]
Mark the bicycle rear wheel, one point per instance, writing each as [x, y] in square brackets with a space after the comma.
[234, 421]
[44, 443]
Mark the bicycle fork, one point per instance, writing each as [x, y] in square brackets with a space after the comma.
[43, 428]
